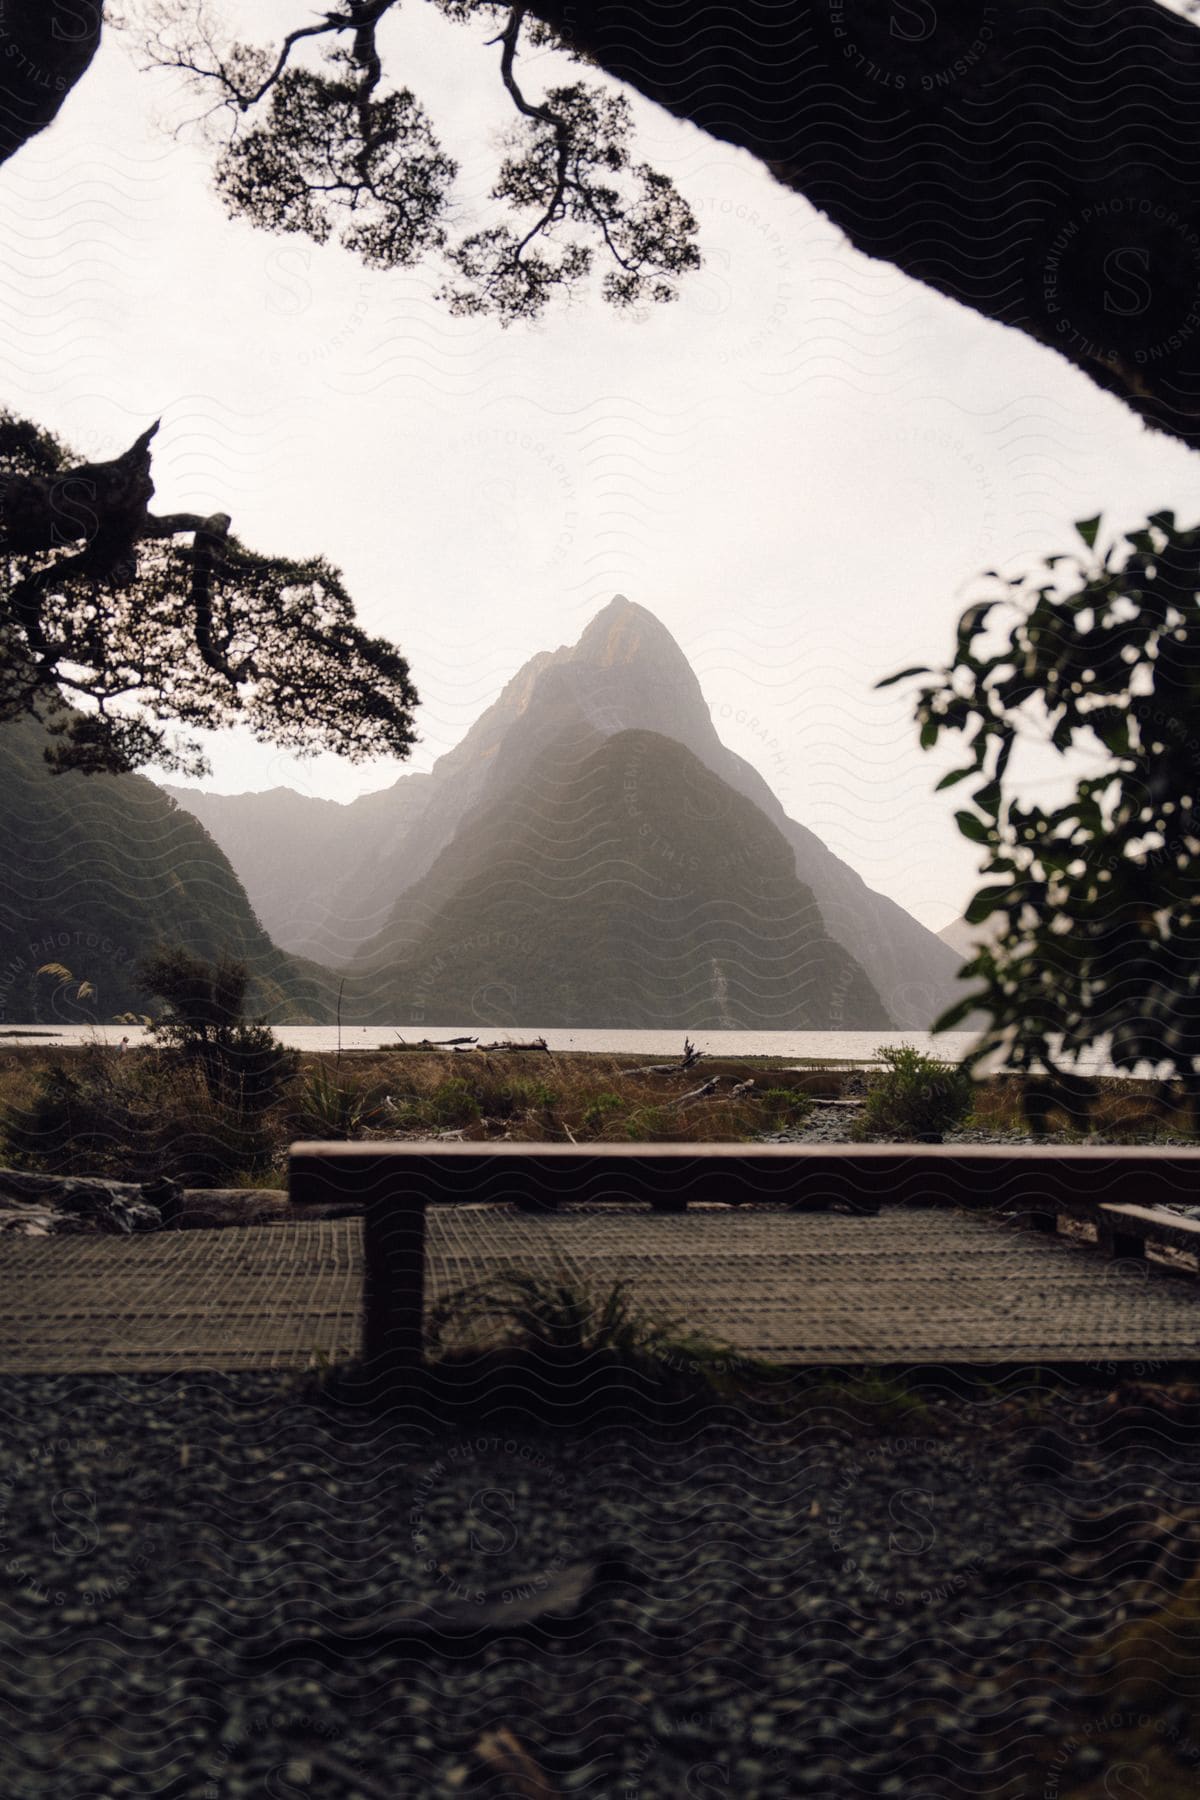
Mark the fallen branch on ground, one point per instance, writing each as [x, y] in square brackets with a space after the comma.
[700, 1093]
[543, 1602]
[504, 1758]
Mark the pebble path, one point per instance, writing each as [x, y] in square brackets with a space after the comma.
[818, 1609]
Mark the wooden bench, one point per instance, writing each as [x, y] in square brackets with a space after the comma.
[1116, 1188]
[1122, 1230]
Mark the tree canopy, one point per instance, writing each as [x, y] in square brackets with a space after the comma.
[120, 624]
[1038, 164]
[339, 146]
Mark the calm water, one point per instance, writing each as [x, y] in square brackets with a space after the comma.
[840, 1046]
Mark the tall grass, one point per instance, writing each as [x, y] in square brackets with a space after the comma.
[135, 1118]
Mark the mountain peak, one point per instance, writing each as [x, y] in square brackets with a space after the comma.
[624, 632]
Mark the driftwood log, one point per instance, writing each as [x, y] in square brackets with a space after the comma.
[454, 1043]
[502, 1757]
[700, 1093]
[44, 1205]
[56, 1205]
[691, 1056]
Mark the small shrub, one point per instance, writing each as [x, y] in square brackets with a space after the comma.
[917, 1098]
[452, 1104]
[599, 1113]
[331, 1105]
[564, 1325]
[135, 1119]
[243, 1064]
[516, 1098]
[785, 1108]
[649, 1124]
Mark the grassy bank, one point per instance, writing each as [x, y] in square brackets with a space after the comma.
[143, 1113]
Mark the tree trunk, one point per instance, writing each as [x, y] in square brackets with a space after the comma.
[1039, 163]
[45, 46]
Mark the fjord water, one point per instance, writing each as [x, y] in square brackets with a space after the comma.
[837, 1046]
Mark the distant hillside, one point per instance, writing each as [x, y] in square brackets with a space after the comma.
[294, 854]
[616, 882]
[965, 939]
[626, 672]
[96, 870]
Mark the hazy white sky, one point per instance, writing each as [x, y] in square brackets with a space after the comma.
[801, 467]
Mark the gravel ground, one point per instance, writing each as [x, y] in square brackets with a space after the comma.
[830, 1123]
[818, 1609]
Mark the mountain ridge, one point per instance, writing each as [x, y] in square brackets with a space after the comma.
[624, 672]
[98, 870]
[585, 896]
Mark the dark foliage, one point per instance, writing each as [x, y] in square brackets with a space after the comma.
[333, 146]
[111, 629]
[1097, 899]
[321, 153]
[243, 1064]
[902, 127]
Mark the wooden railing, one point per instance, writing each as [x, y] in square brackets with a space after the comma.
[1118, 1189]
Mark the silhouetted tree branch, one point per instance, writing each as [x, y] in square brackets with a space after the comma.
[333, 141]
[1040, 165]
[113, 628]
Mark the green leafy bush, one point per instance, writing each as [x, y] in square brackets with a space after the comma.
[1089, 933]
[916, 1098]
[513, 1098]
[243, 1064]
[785, 1108]
[599, 1113]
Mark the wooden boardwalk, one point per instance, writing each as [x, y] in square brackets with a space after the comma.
[906, 1287]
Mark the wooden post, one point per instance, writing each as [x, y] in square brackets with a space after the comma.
[1042, 1218]
[1115, 1243]
[388, 1187]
